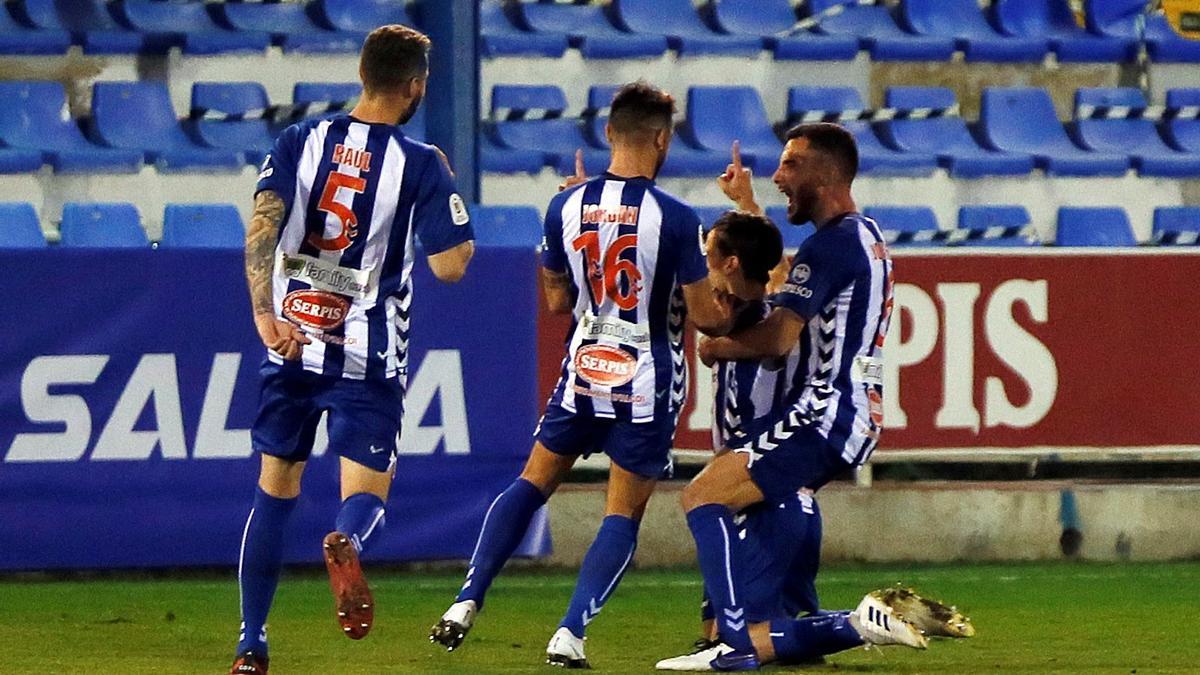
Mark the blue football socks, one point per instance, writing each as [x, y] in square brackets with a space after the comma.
[720, 554]
[603, 566]
[361, 518]
[805, 639]
[258, 567]
[503, 528]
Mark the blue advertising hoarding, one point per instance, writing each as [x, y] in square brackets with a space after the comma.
[129, 380]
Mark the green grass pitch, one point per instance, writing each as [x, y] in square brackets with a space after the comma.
[1031, 618]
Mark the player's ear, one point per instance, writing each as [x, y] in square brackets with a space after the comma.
[662, 139]
[608, 132]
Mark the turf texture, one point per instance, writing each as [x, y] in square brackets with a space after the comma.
[1031, 618]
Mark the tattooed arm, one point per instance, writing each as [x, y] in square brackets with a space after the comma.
[279, 336]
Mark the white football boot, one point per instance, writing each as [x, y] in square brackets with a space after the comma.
[566, 651]
[698, 661]
[452, 629]
[879, 625]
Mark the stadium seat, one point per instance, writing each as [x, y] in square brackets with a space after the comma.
[88, 22]
[33, 119]
[360, 16]
[905, 226]
[874, 26]
[1184, 134]
[102, 226]
[139, 116]
[18, 39]
[289, 24]
[873, 156]
[184, 25]
[508, 226]
[202, 226]
[770, 20]
[686, 33]
[553, 135]
[1054, 20]
[15, 160]
[500, 37]
[717, 116]
[19, 226]
[983, 222]
[946, 137]
[249, 136]
[793, 235]
[1023, 120]
[1120, 20]
[1177, 225]
[963, 21]
[1093, 226]
[588, 30]
[1137, 138]
[710, 214]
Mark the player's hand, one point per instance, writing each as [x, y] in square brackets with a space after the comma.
[736, 181]
[779, 275]
[580, 174]
[281, 337]
[704, 349]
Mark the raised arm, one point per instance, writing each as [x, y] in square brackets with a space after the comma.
[282, 337]
[737, 183]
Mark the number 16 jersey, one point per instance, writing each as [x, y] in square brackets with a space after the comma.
[628, 248]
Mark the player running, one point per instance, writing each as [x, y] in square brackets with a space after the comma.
[626, 258]
[329, 256]
[834, 309]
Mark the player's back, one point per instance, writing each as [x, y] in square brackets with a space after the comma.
[628, 248]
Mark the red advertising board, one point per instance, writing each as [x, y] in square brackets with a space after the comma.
[1061, 348]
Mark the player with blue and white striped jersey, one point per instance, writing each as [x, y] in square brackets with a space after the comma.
[834, 308]
[626, 260]
[340, 204]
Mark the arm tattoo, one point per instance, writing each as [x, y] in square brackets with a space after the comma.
[260, 250]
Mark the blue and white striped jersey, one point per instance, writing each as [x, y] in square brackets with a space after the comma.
[841, 283]
[628, 248]
[356, 194]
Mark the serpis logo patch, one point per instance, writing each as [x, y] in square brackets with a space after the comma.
[605, 365]
[315, 309]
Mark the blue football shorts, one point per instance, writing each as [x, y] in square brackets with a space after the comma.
[643, 448]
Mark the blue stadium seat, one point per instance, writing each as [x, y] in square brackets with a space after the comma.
[947, 137]
[502, 38]
[905, 220]
[873, 156]
[1120, 19]
[588, 30]
[1054, 20]
[710, 214]
[1177, 224]
[321, 92]
[686, 33]
[507, 226]
[102, 226]
[1023, 119]
[19, 226]
[16, 160]
[554, 135]
[982, 218]
[1137, 138]
[139, 116]
[33, 119]
[494, 158]
[1093, 226]
[963, 21]
[251, 137]
[19, 39]
[1184, 134]
[88, 21]
[202, 226]
[360, 16]
[793, 235]
[184, 25]
[289, 24]
[770, 19]
[717, 116]
[879, 34]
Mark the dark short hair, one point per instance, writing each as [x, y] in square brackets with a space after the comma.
[832, 140]
[753, 239]
[641, 108]
[393, 55]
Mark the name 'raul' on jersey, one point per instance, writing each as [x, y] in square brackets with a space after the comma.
[628, 249]
[841, 284]
[355, 194]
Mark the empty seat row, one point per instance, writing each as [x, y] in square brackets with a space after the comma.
[118, 225]
[1018, 130]
[916, 30]
[150, 26]
[134, 122]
